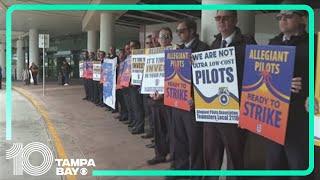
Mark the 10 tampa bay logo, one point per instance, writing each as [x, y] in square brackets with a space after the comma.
[21, 161]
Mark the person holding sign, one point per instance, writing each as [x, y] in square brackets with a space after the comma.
[188, 151]
[100, 103]
[147, 102]
[161, 114]
[85, 56]
[89, 75]
[124, 83]
[294, 152]
[112, 54]
[121, 92]
[220, 136]
[136, 100]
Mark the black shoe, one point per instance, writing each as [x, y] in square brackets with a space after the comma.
[85, 98]
[136, 131]
[156, 160]
[114, 111]
[131, 125]
[152, 145]
[126, 122]
[147, 136]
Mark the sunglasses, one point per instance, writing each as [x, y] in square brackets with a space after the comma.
[222, 18]
[179, 31]
[148, 43]
[284, 16]
[165, 37]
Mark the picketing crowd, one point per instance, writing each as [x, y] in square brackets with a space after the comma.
[175, 134]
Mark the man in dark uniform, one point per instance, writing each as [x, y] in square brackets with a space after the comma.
[112, 54]
[120, 93]
[220, 136]
[90, 81]
[136, 100]
[85, 56]
[188, 151]
[126, 93]
[100, 103]
[96, 83]
[163, 135]
[146, 101]
[294, 153]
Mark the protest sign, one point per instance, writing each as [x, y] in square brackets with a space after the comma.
[215, 85]
[266, 90]
[96, 68]
[153, 73]
[81, 67]
[317, 96]
[126, 74]
[177, 86]
[109, 82]
[137, 66]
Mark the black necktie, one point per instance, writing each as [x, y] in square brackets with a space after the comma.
[224, 44]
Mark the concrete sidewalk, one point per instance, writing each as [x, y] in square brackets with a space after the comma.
[28, 126]
[88, 131]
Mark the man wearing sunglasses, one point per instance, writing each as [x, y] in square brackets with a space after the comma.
[220, 136]
[188, 151]
[294, 154]
[161, 114]
[85, 57]
[147, 102]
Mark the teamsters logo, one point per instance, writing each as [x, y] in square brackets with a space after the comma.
[21, 161]
[224, 95]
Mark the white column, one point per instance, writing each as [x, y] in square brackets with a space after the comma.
[34, 46]
[246, 20]
[3, 59]
[92, 41]
[106, 31]
[20, 59]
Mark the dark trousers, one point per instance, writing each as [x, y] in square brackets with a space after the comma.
[137, 105]
[293, 155]
[66, 77]
[170, 125]
[147, 103]
[123, 107]
[290, 156]
[118, 97]
[100, 93]
[0, 83]
[161, 133]
[90, 88]
[86, 87]
[96, 92]
[127, 100]
[220, 136]
[35, 80]
[188, 137]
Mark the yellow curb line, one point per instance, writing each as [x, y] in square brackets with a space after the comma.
[52, 130]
